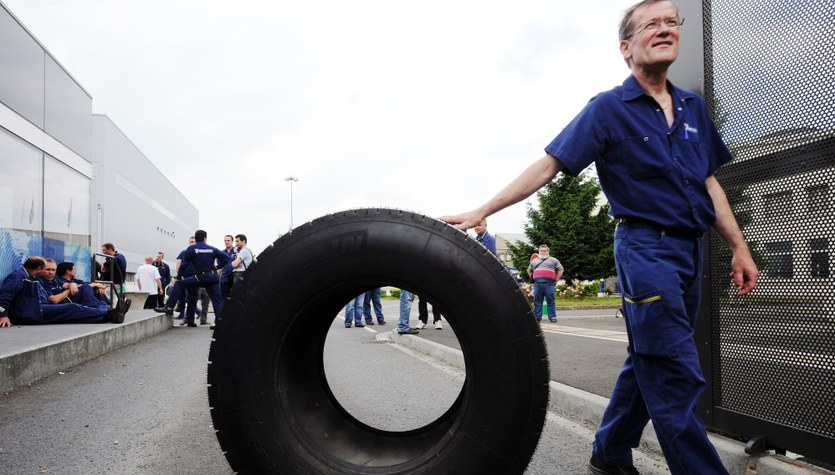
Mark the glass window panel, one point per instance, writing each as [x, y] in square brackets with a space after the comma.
[819, 257]
[21, 70]
[817, 198]
[67, 215]
[20, 181]
[68, 111]
[21, 184]
[780, 259]
[778, 204]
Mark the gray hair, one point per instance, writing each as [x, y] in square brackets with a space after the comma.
[626, 26]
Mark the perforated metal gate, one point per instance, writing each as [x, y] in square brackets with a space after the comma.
[771, 84]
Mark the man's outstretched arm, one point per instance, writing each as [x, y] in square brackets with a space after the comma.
[533, 178]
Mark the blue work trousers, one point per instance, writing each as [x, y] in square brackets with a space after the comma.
[74, 313]
[88, 297]
[209, 281]
[661, 380]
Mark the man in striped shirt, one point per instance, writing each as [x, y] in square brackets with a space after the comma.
[545, 272]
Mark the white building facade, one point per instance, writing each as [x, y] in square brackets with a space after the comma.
[71, 180]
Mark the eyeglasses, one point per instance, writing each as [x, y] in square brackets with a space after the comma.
[654, 25]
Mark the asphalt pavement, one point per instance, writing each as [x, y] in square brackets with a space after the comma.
[131, 398]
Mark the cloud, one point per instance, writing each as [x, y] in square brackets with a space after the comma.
[432, 106]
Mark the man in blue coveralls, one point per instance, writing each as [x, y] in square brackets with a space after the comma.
[656, 151]
[119, 268]
[24, 301]
[205, 262]
[79, 291]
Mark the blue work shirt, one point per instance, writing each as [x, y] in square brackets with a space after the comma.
[119, 271]
[20, 297]
[227, 269]
[647, 170]
[52, 287]
[164, 273]
[487, 241]
[184, 270]
[200, 257]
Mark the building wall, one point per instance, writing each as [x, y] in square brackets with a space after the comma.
[134, 205]
[71, 180]
[45, 144]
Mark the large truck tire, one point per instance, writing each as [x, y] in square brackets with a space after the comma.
[270, 401]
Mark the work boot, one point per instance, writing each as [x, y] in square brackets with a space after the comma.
[167, 311]
[123, 305]
[598, 467]
[115, 316]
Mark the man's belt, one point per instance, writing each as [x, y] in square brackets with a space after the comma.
[649, 224]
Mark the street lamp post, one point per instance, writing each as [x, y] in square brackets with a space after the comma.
[291, 179]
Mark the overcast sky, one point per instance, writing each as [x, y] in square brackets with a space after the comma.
[427, 106]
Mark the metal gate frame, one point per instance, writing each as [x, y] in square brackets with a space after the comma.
[817, 156]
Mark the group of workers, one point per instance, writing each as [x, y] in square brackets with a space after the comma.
[42, 291]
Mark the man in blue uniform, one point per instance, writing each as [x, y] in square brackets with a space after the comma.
[226, 275]
[78, 291]
[164, 275]
[55, 290]
[119, 266]
[205, 262]
[24, 301]
[486, 239]
[656, 151]
[190, 296]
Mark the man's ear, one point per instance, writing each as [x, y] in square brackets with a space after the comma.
[626, 50]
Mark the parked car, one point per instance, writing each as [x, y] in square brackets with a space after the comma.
[515, 273]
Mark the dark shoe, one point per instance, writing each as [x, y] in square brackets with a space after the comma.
[552, 321]
[381, 322]
[369, 322]
[347, 326]
[115, 316]
[123, 305]
[212, 326]
[598, 467]
[203, 323]
[359, 326]
[192, 325]
[165, 310]
[410, 331]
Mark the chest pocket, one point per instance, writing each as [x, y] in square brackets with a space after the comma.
[644, 157]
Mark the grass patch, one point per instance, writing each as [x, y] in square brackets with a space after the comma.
[590, 302]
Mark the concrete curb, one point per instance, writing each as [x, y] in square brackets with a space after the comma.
[94, 340]
[589, 408]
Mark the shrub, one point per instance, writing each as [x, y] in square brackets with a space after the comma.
[395, 293]
[577, 291]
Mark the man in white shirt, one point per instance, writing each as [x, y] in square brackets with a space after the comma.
[149, 281]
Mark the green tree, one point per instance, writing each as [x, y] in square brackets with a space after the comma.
[579, 233]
